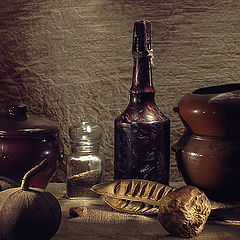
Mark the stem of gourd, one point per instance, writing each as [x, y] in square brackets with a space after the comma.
[31, 173]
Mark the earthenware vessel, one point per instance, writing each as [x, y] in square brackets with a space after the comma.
[24, 142]
[208, 153]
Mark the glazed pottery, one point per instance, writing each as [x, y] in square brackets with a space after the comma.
[208, 153]
[212, 111]
[211, 164]
[24, 142]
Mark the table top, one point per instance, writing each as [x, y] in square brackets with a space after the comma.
[98, 221]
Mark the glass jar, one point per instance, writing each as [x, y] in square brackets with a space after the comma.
[84, 165]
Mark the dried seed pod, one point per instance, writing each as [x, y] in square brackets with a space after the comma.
[184, 211]
[136, 190]
[128, 206]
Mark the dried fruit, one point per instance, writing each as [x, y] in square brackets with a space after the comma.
[184, 212]
[28, 213]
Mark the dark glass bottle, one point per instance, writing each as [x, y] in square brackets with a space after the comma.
[142, 141]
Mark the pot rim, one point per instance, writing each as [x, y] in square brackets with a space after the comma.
[217, 89]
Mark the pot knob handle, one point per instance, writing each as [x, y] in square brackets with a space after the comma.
[17, 113]
[178, 147]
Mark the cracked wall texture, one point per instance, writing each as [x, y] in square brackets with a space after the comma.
[71, 60]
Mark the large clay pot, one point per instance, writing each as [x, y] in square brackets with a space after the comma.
[24, 142]
[208, 153]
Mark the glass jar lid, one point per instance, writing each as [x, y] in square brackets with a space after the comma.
[85, 132]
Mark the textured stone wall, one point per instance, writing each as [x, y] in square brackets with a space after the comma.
[70, 60]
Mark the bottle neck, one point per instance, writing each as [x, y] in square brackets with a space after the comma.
[142, 75]
[142, 89]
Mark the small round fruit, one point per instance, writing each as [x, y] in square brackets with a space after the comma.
[184, 212]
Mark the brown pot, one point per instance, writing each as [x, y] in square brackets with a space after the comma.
[212, 111]
[24, 142]
[208, 153]
[211, 164]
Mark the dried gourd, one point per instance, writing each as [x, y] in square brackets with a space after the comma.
[184, 212]
[28, 213]
[136, 190]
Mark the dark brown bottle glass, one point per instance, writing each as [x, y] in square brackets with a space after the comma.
[142, 142]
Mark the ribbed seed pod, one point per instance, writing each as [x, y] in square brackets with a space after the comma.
[136, 190]
[128, 206]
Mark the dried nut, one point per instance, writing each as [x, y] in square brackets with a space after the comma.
[75, 212]
[184, 211]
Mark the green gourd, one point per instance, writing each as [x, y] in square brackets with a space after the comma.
[29, 213]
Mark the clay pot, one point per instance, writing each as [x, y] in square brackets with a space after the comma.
[210, 163]
[24, 142]
[208, 153]
[212, 111]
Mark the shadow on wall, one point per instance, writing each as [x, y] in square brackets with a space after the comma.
[23, 65]
[21, 80]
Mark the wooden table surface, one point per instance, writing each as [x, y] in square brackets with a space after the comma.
[101, 222]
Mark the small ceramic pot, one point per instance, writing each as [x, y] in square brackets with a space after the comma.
[211, 164]
[24, 142]
[212, 111]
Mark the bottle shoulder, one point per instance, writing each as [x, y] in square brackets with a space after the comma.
[149, 113]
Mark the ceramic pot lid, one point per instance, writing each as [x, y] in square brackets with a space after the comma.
[15, 122]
